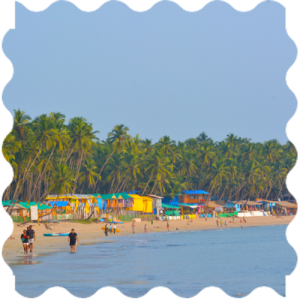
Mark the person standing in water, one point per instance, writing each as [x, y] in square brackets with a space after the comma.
[133, 227]
[106, 230]
[73, 239]
[25, 241]
[31, 234]
[168, 226]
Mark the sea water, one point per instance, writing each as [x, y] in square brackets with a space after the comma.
[236, 260]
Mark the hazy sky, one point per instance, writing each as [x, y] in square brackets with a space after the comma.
[160, 72]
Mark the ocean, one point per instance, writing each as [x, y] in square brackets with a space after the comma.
[235, 260]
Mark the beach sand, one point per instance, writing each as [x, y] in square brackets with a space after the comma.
[92, 233]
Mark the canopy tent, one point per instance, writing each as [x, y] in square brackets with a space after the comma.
[170, 206]
[27, 205]
[9, 202]
[190, 205]
[195, 192]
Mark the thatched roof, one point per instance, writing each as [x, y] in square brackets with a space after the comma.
[242, 202]
[214, 204]
[286, 204]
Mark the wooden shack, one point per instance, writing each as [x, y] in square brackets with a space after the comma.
[193, 197]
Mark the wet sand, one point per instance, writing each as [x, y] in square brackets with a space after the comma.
[92, 233]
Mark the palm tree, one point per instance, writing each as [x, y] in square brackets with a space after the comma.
[119, 138]
[20, 122]
[62, 180]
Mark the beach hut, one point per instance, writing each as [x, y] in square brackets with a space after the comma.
[194, 197]
[156, 204]
[21, 210]
[242, 205]
[267, 205]
[282, 206]
[171, 211]
[147, 205]
[138, 204]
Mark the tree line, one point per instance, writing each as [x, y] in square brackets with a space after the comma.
[51, 156]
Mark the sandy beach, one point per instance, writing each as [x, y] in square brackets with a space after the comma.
[92, 233]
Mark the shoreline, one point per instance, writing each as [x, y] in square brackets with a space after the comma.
[88, 234]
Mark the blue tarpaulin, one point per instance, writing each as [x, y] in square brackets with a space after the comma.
[59, 203]
[99, 201]
[195, 192]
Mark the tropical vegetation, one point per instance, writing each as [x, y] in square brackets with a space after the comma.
[50, 156]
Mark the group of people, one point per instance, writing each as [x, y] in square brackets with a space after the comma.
[221, 223]
[110, 228]
[27, 238]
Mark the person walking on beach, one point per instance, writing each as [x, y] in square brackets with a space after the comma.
[233, 218]
[168, 226]
[115, 227]
[72, 240]
[133, 226]
[225, 223]
[30, 232]
[110, 227]
[106, 230]
[25, 241]
[244, 219]
[145, 228]
[221, 223]
[217, 222]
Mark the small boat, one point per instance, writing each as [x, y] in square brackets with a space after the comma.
[56, 234]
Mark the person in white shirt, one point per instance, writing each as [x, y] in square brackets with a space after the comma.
[115, 227]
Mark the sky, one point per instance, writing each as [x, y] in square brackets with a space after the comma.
[160, 72]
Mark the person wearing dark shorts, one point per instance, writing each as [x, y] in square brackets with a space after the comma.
[73, 239]
[30, 232]
[106, 230]
[25, 241]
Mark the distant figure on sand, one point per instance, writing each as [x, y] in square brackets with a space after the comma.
[115, 227]
[73, 239]
[110, 227]
[168, 226]
[145, 228]
[244, 219]
[25, 241]
[221, 223]
[217, 222]
[233, 218]
[106, 230]
[225, 223]
[133, 226]
[30, 232]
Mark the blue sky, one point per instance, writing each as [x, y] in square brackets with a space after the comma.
[160, 72]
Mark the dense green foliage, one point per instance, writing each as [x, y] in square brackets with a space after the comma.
[49, 156]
